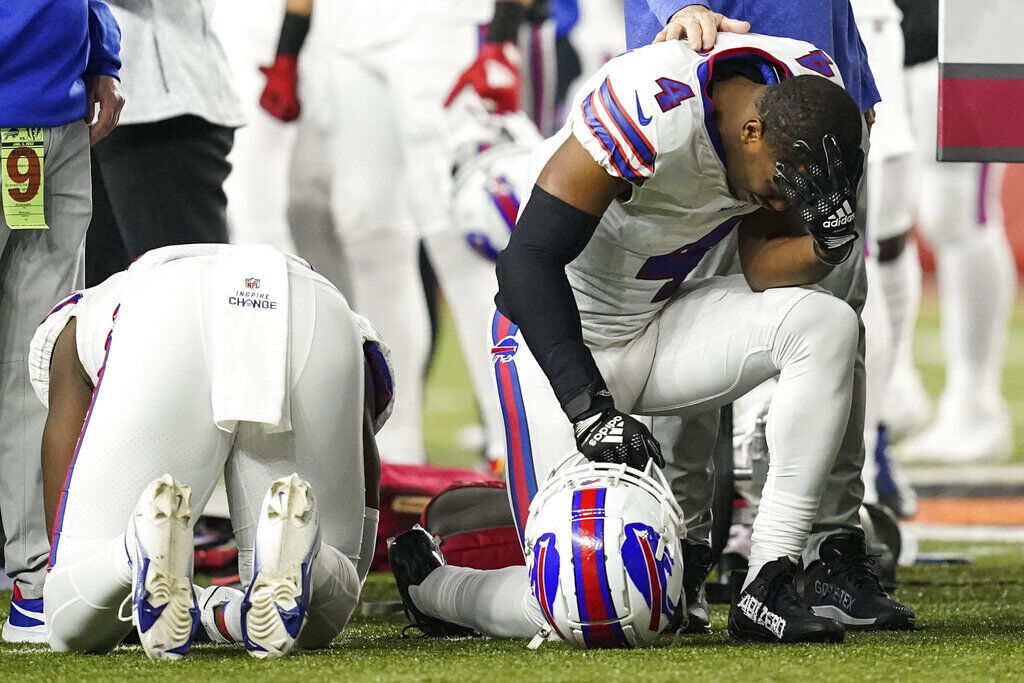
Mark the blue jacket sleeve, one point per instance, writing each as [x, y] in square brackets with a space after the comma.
[664, 9]
[104, 41]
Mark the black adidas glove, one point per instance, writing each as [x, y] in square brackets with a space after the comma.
[824, 197]
[612, 436]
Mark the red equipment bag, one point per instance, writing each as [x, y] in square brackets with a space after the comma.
[475, 525]
[405, 491]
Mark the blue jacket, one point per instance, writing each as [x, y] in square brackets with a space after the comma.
[827, 24]
[47, 48]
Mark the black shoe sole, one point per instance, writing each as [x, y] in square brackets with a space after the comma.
[740, 635]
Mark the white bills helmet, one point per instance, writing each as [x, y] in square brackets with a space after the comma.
[491, 162]
[604, 555]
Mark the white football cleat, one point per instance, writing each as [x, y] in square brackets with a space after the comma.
[159, 545]
[287, 542]
[906, 408]
[961, 435]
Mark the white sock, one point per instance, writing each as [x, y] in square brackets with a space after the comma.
[815, 349]
[82, 601]
[495, 602]
[977, 281]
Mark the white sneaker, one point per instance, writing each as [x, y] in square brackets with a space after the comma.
[26, 622]
[287, 542]
[961, 435]
[159, 545]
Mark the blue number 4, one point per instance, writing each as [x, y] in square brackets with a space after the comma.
[675, 266]
[673, 93]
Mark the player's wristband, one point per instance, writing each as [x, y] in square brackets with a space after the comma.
[293, 33]
[504, 26]
[830, 259]
[595, 398]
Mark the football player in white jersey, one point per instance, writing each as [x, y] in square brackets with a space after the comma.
[198, 361]
[665, 152]
[369, 170]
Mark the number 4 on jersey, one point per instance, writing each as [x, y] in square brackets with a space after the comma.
[676, 265]
[673, 93]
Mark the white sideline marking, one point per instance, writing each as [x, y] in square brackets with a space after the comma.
[952, 532]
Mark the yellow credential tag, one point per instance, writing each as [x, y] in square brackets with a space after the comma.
[21, 169]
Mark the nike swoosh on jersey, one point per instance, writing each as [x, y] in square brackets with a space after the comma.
[644, 120]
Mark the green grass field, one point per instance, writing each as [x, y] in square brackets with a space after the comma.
[971, 616]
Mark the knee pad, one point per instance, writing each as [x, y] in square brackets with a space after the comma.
[828, 327]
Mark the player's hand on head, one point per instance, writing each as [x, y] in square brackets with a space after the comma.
[280, 96]
[699, 26]
[823, 192]
[494, 75]
[615, 437]
[106, 92]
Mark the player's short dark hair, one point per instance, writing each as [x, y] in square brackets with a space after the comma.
[807, 108]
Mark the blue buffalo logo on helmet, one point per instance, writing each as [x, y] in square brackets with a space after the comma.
[649, 573]
[544, 577]
[505, 350]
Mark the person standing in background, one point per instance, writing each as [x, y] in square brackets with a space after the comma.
[160, 177]
[960, 214]
[60, 60]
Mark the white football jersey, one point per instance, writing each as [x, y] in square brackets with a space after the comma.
[646, 117]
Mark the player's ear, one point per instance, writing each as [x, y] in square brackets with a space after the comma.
[752, 131]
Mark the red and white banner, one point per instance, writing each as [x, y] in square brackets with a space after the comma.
[981, 80]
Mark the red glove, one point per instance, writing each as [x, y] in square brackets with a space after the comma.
[495, 77]
[280, 96]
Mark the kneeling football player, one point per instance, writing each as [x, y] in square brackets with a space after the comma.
[201, 361]
[598, 319]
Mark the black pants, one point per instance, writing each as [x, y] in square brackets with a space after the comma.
[156, 184]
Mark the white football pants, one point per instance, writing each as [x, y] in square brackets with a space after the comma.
[152, 413]
[710, 345]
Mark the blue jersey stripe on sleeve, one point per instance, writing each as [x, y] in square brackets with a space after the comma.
[641, 146]
[608, 142]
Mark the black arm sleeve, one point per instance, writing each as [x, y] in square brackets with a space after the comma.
[504, 25]
[534, 293]
[293, 34]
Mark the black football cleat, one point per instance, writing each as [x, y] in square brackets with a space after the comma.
[696, 567]
[412, 556]
[770, 610]
[841, 585]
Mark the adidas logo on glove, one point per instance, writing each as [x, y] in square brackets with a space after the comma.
[842, 217]
[610, 432]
